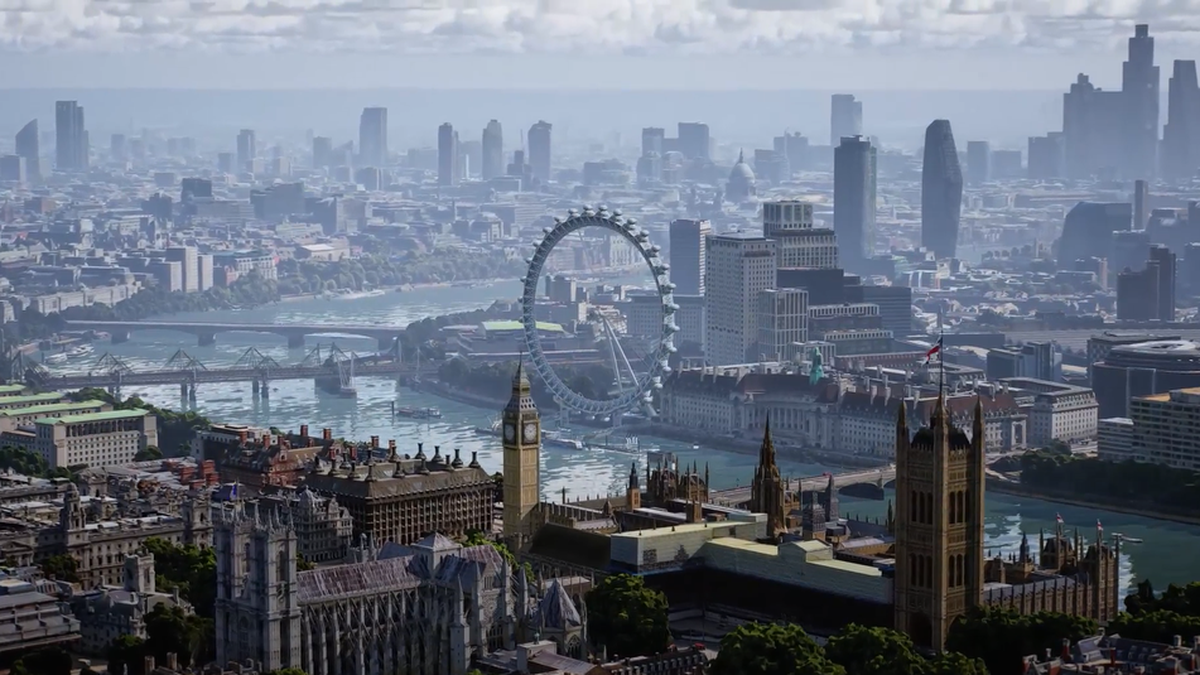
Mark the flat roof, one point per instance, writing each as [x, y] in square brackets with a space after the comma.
[94, 417]
[52, 408]
[32, 398]
[517, 325]
[10, 389]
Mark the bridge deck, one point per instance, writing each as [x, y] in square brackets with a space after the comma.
[741, 494]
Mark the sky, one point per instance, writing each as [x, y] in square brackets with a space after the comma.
[584, 44]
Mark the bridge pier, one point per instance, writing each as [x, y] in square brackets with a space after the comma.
[206, 339]
[119, 336]
[260, 388]
[187, 392]
[295, 341]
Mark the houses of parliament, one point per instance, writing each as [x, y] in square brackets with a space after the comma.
[789, 556]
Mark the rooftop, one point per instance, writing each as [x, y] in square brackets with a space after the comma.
[52, 408]
[94, 417]
[32, 398]
[517, 325]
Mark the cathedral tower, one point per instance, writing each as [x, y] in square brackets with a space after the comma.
[522, 474]
[767, 490]
[939, 524]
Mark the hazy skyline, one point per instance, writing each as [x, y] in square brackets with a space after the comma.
[652, 44]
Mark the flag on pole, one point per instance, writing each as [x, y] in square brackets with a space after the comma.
[937, 347]
[1058, 518]
[1099, 527]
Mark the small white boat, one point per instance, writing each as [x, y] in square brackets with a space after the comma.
[695, 446]
[81, 350]
[57, 357]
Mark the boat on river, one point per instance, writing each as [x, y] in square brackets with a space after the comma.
[418, 413]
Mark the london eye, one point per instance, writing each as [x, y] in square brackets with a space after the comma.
[634, 385]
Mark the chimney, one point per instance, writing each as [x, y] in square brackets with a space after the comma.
[392, 445]
[304, 433]
[374, 442]
[327, 434]
[1177, 642]
[354, 453]
[1066, 649]
[172, 662]
[149, 667]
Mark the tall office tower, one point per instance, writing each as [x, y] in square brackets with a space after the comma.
[738, 266]
[71, 141]
[689, 241]
[653, 140]
[1139, 86]
[941, 191]
[1047, 156]
[188, 258]
[1181, 134]
[246, 149]
[694, 140]
[1141, 204]
[29, 146]
[782, 323]
[539, 150]
[225, 162]
[798, 244]
[854, 199]
[118, 148]
[12, 168]
[845, 118]
[1165, 283]
[448, 167]
[373, 137]
[493, 151]
[979, 162]
[322, 151]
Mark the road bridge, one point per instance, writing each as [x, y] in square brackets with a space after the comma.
[881, 477]
[206, 332]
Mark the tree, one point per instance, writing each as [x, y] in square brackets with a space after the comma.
[1002, 637]
[173, 631]
[477, 538]
[627, 618]
[47, 661]
[954, 663]
[303, 565]
[127, 652]
[874, 651]
[188, 568]
[287, 671]
[771, 649]
[62, 567]
[151, 452]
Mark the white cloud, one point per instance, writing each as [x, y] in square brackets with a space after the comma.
[588, 26]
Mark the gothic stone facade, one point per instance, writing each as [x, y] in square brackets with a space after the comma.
[427, 609]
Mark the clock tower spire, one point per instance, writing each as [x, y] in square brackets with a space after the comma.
[522, 444]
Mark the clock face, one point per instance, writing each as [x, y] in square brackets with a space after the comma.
[510, 432]
[530, 432]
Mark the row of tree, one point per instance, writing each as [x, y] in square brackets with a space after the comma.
[385, 270]
[1150, 486]
[24, 462]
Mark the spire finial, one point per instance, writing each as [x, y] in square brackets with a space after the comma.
[741, 156]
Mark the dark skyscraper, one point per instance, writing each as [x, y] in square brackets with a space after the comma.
[979, 162]
[941, 191]
[845, 118]
[71, 140]
[689, 246]
[246, 149]
[29, 146]
[448, 171]
[854, 200]
[493, 151]
[1181, 135]
[322, 151]
[653, 140]
[539, 151]
[1165, 261]
[694, 140]
[373, 137]
[1139, 87]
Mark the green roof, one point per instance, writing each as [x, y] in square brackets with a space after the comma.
[48, 397]
[517, 325]
[93, 417]
[52, 408]
[11, 389]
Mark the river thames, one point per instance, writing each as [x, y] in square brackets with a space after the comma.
[1165, 557]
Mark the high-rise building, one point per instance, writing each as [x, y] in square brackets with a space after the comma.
[71, 139]
[782, 323]
[492, 151]
[798, 243]
[1181, 134]
[225, 162]
[1165, 282]
[118, 148]
[448, 168]
[738, 266]
[694, 140]
[29, 146]
[688, 240]
[941, 191]
[845, 118]
[322, 152]
[188, 258]
[522, 447]
[246, 149]
[1141, 204]
[373, 137]
[1047, 156]
[979, 162]
[653, 140]
[1139, 87]
[854, 195]
[539, 151]
[12, 168]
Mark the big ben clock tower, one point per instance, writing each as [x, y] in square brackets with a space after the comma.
[522, 441]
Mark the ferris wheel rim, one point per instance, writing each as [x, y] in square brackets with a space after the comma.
[659, 366]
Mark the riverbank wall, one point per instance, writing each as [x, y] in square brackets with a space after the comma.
[1017, 490]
